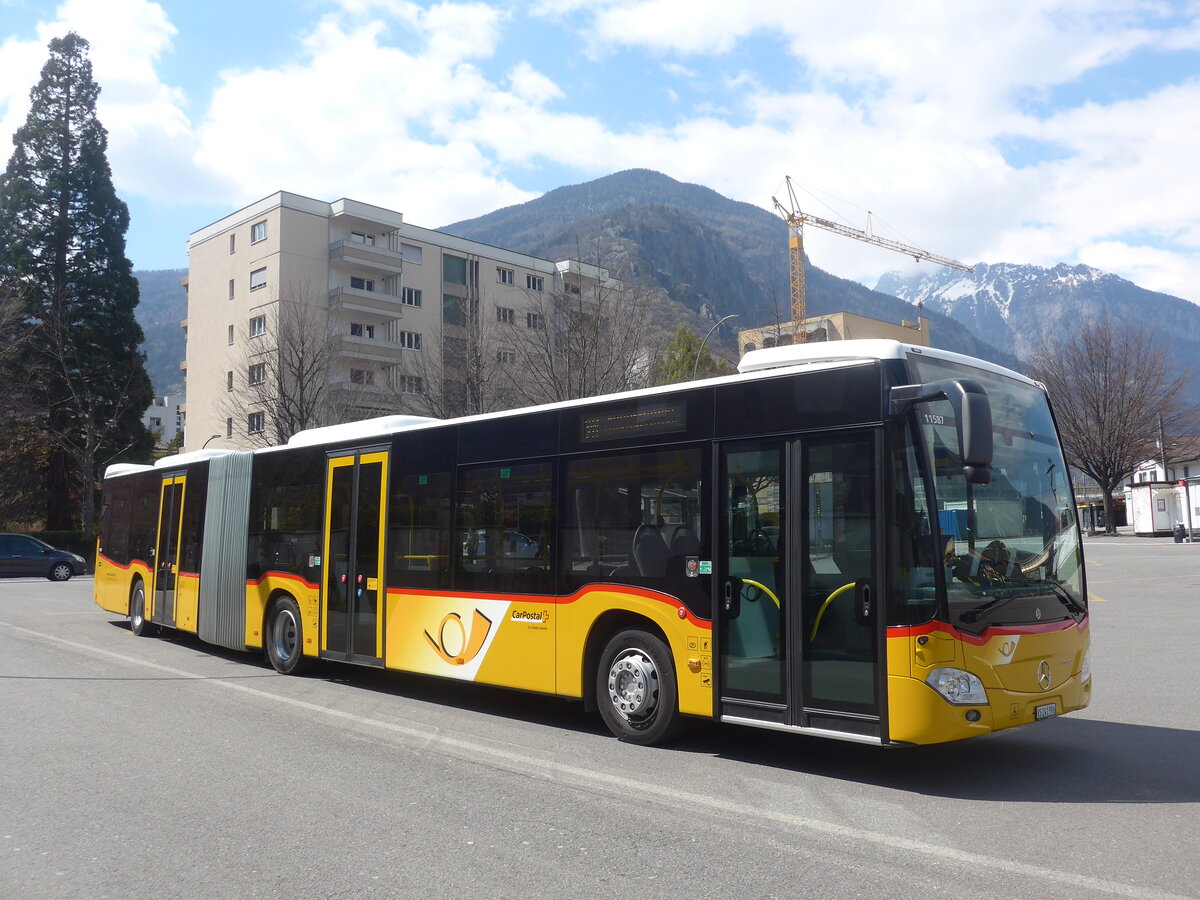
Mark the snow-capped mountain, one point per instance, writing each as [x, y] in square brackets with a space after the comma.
[1012, 306]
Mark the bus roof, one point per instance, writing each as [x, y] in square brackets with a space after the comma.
[865, 349]
[768, 362]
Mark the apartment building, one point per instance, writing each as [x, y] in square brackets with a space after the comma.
[164, 418]
[379, 297]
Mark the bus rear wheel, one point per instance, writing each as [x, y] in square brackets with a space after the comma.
[636, 689]
[138, 623]
[285, 638]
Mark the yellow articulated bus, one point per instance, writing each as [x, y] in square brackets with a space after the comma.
[861, 540]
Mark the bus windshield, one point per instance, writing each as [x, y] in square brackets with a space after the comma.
[1010, 549]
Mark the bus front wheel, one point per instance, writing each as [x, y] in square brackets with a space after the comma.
[285, 638]
[636, 689]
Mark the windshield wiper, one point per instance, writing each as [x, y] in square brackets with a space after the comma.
[971, 616]
[1073, 606]
[1077, 611]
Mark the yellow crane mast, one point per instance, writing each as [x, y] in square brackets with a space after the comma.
[796, 220]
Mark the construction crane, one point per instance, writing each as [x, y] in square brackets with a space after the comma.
[796, 221]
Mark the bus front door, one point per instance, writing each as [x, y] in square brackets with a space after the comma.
[352, 588]
[166, 550]
[797, 627]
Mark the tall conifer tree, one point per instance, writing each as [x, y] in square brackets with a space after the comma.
[62, 258]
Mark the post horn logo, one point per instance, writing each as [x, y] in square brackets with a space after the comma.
[460, 649]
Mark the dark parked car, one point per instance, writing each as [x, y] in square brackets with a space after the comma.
[21, 554]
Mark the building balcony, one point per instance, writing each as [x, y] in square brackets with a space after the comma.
[357, 300]
[366, 256]
[372, 349]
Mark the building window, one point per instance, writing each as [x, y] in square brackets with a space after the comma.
[505, 316]
[255, 423]
[410, 297]
[229, 427]
[506, 357]
[258, 231]
[258, 326]
[533, 283]
[505, 276]
[535, 321]
[454, 269]
[362, 376]
[411, 253]
[258, 279]
[232, 282]
[357, 237]
[1185, 472]
[455, 310]
[403, 383]
[232, 242]
[229, 381]
[357, 329]
[155, 423]
[257, 374]
[409, 340]
[362, 284]
[230, 335]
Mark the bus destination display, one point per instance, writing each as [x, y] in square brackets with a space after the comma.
[661, 418]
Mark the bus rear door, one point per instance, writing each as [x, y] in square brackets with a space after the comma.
[166, 549]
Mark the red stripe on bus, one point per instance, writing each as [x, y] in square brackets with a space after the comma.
[644, 593]
[992, 631]
[285, 576]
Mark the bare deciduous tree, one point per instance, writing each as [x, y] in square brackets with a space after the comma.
[585, 337]
[462, 364]
[1110, 383]
[300, 377]
[89, 411]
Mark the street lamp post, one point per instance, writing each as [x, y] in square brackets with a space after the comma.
[720, 322]
[206, 443]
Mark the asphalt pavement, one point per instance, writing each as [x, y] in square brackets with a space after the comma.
[161, 767]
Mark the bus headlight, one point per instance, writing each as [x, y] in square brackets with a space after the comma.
[1085, 668]
[958, 687]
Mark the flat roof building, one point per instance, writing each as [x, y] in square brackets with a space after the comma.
[838, 326]
[374, 312]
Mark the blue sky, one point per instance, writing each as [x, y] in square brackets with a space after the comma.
[996, 130]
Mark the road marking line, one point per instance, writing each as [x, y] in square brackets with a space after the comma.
[1139, 580]
[98, 612]
[625, 786]
[1094, 599]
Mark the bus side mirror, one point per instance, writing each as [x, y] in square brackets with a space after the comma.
[972, 419]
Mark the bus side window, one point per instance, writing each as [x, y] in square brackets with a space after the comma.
[635, 518]
[419, 524]
[504, 522]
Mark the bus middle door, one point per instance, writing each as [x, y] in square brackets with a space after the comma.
[352, 582]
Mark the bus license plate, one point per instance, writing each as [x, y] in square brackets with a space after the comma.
[1049, 711]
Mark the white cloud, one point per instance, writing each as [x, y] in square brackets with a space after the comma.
[679, 71]
[368, 114]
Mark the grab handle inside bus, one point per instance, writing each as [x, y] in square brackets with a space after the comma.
[972, 419]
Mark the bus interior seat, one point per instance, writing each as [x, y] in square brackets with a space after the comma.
[650, 552]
